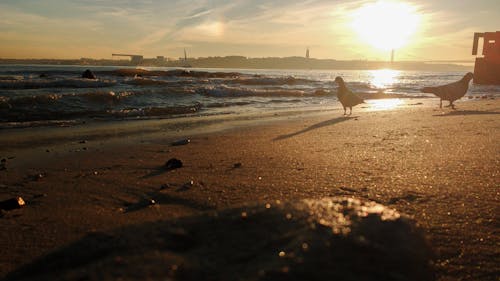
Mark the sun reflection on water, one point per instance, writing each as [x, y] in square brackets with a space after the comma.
[382, 78]
[384, 104]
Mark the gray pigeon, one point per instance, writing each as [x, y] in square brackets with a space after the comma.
[346, 97]
[451, 92]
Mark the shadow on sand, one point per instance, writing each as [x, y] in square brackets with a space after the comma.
[316, 126]
[154, 198]
[466, 112]
[250, 242]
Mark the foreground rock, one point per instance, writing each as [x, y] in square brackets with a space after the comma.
[327, 239]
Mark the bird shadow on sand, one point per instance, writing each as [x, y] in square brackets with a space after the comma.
[316, 126]
[466, 112]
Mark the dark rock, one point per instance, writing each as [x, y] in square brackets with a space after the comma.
[43, 75]
[180, 142]
[237, 165]
[326, 239]
[82, 141]
[12, 203]
[173, 164]
[87, 74]
[3, 164]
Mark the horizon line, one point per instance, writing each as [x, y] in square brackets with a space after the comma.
[246, 57]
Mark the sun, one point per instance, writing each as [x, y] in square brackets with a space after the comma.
[386, 25]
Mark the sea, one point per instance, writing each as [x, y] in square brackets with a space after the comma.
[56, 94]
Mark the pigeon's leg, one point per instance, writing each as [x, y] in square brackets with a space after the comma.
[350, 110]
[344, 111]
[452, 105]
[440, 103]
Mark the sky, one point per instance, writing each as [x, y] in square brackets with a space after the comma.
[72, 29]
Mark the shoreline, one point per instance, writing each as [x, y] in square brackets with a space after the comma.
[438, 166]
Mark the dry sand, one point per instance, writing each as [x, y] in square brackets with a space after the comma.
[441, 167]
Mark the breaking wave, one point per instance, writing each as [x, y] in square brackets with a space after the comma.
[18, 84]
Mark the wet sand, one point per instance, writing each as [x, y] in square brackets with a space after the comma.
[440, 167]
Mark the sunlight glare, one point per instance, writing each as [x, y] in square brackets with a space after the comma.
[386, 25]
[382, 78]
[384, 104]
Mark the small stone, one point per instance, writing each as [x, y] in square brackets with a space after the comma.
[172, 164]
[181, 142]
[164, 186]
[82, 141]
[12, 203]
[237, 165]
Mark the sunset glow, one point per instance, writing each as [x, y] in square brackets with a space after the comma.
[382, 78]
[386, 25]
[341, 30]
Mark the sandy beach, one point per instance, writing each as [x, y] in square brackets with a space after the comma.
[438, 166]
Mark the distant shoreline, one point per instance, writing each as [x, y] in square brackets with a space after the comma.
[240, 62]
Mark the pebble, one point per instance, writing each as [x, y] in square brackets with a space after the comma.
[181, 142]
[173, 163]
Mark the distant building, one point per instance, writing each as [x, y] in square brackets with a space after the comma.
[307, 53]
[134, 59]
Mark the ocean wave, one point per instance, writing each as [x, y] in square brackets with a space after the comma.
[100, 97]
[155, 111]
[48, 83]
[228, 104]
[11, 78]
[227, 91]
[140, 81]
[32, 100]
[290, 80]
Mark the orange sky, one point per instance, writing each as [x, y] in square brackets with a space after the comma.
[331, 29]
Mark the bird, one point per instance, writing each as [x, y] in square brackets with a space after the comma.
[450, 92]
[346, 97]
